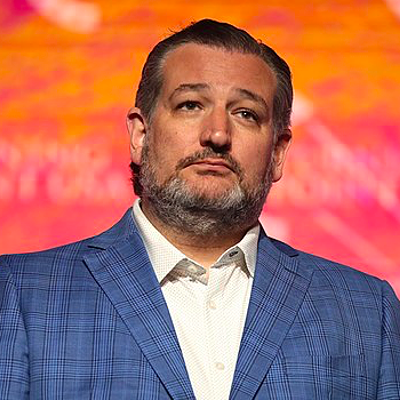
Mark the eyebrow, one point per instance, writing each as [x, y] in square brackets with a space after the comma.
[185, 87]
[252, 96]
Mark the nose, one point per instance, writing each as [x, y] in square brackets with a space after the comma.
[216, 132]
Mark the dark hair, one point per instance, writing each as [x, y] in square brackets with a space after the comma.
[216, 34]
[221, 35]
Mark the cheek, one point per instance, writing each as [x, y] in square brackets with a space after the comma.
[171, 141]
[165, 151]
[256, 160]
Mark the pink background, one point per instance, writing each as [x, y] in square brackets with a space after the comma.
[68, 75]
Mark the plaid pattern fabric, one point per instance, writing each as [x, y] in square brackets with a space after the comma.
[88, 321]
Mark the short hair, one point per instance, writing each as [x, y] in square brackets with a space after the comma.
[220, 35]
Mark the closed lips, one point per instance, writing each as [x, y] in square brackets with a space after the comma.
[215, 163]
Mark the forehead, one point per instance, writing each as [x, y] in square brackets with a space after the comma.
[219, 68]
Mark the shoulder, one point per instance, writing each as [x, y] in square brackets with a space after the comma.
[332, 275]
[41, 270]
[43, 258]
[345, 293]
[60, 259]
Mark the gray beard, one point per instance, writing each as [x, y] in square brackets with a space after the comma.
[185, 210]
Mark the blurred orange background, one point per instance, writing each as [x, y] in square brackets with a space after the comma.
[68, 75]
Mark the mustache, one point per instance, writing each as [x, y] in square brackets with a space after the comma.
[210, 154]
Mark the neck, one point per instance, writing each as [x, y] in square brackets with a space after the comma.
[204, 249]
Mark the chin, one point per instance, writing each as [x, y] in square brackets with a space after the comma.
[212, 188]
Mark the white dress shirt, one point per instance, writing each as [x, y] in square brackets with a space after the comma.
[208, 314]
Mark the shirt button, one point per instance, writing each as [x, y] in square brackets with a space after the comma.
[212, 305]
[219, 366]
[192, 269]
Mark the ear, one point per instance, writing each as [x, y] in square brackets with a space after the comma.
[279, 154]
[136, 125]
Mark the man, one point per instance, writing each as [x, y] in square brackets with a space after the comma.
[186, 297]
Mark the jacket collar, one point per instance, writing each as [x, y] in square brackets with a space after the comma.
[121, 231]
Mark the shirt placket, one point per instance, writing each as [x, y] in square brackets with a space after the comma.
[216, 332]
[195, 283]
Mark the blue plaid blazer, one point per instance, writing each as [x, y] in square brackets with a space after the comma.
[88, 321]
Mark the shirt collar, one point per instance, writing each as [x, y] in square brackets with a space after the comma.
[164, 256]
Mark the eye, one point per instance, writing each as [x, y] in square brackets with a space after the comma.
[248, 115]
[188, 105]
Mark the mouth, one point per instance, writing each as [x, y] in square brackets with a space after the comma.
[213, 164]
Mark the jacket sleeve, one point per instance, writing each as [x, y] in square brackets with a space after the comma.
[389, 378]
[14, 369]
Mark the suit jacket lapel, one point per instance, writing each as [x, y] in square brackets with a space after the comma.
[278, 290]
[124, 272]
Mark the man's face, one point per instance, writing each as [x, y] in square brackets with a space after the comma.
[212, 125]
